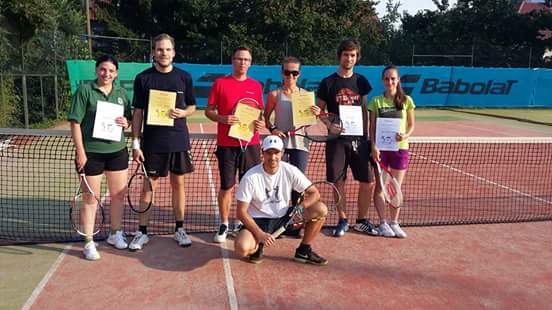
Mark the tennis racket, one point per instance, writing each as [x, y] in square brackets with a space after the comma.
[86, 207]
[139, 184]
[390, 186]
[294, 218]
[329, 127]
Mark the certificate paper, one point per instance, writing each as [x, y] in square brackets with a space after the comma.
[386, 133]
[301, 103]
[351, 117]
[245, 129]
[104, 124]
[160, 102]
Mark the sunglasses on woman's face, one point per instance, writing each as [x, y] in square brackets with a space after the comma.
[291, 72]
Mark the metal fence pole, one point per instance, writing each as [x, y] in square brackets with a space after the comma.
[42, 100]
[2, 90]
[56, 95]
[472, 55]
[530, 56]
[25, 102]
[413, 52]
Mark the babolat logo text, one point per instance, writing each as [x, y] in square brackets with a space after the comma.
[464, 87]
[458, 87]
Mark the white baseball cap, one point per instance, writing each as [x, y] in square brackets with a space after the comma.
[273, 142]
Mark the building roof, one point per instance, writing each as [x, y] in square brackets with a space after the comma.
[527, 7]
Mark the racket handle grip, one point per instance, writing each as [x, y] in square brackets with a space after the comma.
[278, 232]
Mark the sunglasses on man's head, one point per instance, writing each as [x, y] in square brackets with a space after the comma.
[291, 72]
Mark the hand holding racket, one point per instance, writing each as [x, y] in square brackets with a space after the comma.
[295, 216]
[329, 127]
[140, 188]
[86, 213]
[390, 186]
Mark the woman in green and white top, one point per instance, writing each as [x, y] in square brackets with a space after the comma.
[394, 103]
[95, 155]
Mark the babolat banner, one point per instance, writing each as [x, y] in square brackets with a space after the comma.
[428, 86]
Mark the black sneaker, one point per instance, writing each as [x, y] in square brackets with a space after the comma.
[256, 257]
[364, 226]
[310, 258]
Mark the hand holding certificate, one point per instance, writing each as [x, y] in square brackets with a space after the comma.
[351, 116]
[159, 105]
[247, 113]
[105, 126]
[386, 133]
[301, 103]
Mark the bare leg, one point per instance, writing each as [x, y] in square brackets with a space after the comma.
[178, 196]
[224, 203]
[312, 229]
[116, 182]
[147, 197]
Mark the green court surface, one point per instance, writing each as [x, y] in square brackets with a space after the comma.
[22, 267]
[535, 115]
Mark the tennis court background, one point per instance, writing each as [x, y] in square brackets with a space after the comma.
[440, 260]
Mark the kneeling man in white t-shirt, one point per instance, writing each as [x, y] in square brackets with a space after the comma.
[263, 199]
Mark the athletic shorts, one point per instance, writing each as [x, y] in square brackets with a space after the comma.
[268, 225]
[340, 155]
[159, 164]
[232, 159]
[397, 160]
[298, 158]
[98, 162]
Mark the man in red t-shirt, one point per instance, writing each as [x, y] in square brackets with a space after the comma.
[232, 154]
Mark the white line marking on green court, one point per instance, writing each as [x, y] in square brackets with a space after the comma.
[232, 299]
[38, 289]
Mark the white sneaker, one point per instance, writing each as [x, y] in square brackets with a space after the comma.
[385, 230]
[399, 233]
[220, 237]
[182, 238]
[138, 241]
[90, 252]
[118, 240]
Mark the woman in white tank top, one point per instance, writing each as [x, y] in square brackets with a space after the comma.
[279, 102]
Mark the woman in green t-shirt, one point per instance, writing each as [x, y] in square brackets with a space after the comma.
[394, 103]
[98, 153]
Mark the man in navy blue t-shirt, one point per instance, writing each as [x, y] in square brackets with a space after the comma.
[347, 88]
[163, 148]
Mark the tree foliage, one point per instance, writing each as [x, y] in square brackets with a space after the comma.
[273, 28]
[37, 36]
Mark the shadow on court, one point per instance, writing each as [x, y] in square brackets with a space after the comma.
[470, 266]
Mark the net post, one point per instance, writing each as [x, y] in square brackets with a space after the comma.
[25, 102]
[56, 94]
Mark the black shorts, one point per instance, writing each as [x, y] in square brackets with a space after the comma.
[232, 159]
[268, 225]
[98, 162]
[340, 154]
[159, 164]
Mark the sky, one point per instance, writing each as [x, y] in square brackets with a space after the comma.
[412, 6]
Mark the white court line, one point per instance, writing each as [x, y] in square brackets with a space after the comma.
[232, 299]
[38, 289]
[484, 180]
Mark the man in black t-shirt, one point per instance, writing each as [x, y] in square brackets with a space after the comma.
[346, 88]
[164, 147]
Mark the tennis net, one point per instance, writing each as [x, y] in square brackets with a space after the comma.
[450, 181]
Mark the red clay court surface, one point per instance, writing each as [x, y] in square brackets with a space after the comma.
[502, 266]
[499, 266]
